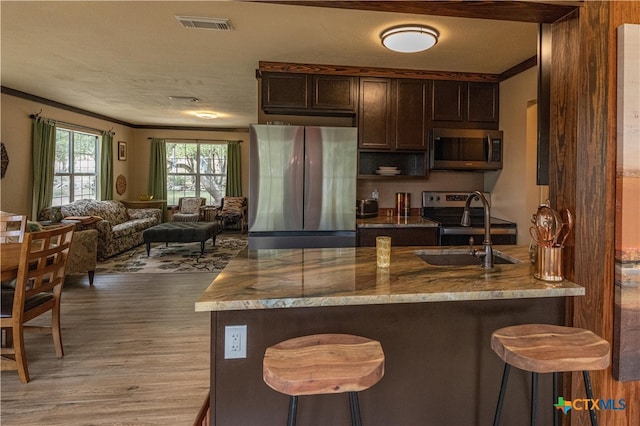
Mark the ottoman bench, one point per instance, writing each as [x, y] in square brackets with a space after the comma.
[181, 232]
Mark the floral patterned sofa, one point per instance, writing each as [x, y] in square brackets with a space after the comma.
[119, 228]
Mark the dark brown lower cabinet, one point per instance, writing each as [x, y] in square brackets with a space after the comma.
[409, 236]
[439, 366]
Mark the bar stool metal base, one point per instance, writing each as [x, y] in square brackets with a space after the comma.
[534, 396]
[354, 405]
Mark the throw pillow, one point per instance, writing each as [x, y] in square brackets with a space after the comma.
[232, 205]
[190, 205]
[33, 226]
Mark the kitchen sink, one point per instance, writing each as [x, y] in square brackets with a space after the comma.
[460, 257]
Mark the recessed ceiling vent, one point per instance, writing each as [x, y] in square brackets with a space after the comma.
[218, 24]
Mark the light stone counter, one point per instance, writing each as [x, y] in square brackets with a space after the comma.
[294, 278]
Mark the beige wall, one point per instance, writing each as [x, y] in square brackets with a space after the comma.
[514, 193]
[16, 187]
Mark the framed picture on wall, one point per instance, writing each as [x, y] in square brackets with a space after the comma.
[122, 150]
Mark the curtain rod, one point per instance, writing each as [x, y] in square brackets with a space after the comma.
[195, 139]
[78, 126]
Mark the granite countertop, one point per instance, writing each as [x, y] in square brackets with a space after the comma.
[293, 278]
[395, 222]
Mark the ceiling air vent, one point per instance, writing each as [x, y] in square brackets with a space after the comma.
[205, 23]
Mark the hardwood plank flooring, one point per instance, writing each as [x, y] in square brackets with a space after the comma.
[136, 353]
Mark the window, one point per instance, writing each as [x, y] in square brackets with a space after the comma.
[75, 172]
[196, 169]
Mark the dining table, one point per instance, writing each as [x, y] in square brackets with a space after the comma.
[9, 260]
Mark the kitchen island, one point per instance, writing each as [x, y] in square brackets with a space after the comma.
[433, 322]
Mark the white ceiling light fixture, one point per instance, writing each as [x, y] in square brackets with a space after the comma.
[409, 38]
[206, 115]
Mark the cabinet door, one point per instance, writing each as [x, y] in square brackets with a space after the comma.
[374, 113]
[483, 102]
[284, 90]
[447, 100]
[410, 103]
[334, 92]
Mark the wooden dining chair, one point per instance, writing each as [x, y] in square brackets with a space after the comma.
[12, 228]
[38, 289]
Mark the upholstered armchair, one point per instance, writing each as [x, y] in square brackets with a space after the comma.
[83, 252]
[189, 209]
[233, 210]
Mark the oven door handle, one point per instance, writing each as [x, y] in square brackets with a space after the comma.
[461, 230]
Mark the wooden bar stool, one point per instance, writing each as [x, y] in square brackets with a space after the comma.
[323, 364]
[544, 348]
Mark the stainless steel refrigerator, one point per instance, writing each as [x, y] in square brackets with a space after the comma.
[302, 186]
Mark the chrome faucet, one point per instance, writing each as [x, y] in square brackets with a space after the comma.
[487, 253]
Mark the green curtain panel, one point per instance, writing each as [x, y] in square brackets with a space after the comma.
[158, 172]
[234, 170]
[43, 140]
[106, 166]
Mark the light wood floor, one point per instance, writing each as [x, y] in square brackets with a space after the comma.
[136, 353]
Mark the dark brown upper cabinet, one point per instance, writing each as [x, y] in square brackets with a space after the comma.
[334, 92]
[308, 94]
[392, 126]
[285, 91]
[410, 114]
[464, 104]
[482, 102]
[448, 98]
[393, 114]
[374, 113]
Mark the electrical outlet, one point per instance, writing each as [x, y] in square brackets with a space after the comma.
[235, 341]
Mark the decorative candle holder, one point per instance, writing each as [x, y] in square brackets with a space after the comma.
[383, 251]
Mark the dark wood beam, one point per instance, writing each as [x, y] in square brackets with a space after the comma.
[374, 72]
[523, 11]
[517, 69]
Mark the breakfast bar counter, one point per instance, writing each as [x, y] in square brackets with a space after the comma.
[266, 279]
[434, 324]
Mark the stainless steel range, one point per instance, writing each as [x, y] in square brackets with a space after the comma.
[446, 208]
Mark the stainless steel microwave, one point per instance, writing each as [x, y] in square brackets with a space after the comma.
[465, 149]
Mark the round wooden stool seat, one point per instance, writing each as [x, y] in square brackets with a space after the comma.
[323, 363]
[545, 348]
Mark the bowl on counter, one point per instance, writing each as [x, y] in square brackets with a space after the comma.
[387, 171]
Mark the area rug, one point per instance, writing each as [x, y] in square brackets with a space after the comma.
[176, 257]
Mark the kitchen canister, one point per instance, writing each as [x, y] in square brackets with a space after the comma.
[403, 204]
[548, 264]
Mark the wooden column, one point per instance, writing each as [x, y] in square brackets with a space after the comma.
[582, 176]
